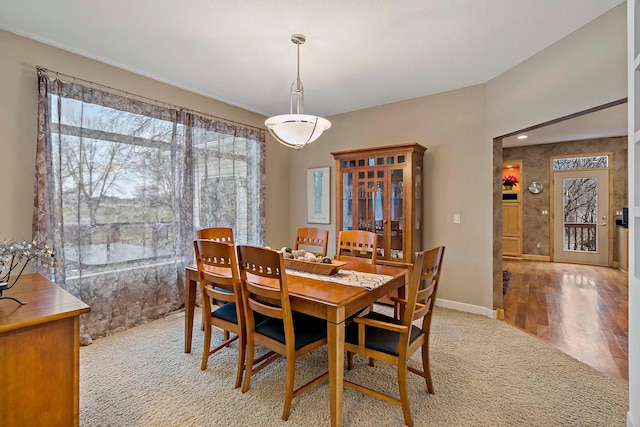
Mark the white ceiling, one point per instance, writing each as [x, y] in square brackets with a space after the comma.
[359, 53]
[611, 121]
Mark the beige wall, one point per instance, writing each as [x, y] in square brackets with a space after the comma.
[583, 70]
[18, 109]
[457, 162]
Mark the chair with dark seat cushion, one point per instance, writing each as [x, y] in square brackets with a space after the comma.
[220, 282]
[289, 334]
[218, 234]
[392, 340]
[313, 238]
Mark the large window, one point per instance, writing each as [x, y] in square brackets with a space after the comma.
[125, 185]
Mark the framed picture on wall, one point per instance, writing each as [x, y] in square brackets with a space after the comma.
[318, 195]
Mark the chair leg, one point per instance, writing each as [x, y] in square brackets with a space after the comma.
[242, 346]
[372, 361]
[225, 336]
[248, 366]
[288, 397]
[206, 349]
[426, 367]
[203, 313]
[404, 395]
[349, 360]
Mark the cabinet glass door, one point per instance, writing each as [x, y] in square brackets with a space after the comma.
[396, 243]
[371, 204]
[347, 201]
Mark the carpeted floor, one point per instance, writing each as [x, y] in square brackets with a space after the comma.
[485, 372]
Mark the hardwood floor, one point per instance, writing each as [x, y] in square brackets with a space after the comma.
[580, 309]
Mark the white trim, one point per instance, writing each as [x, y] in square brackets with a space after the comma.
[630, 422]
[120, 270]
[468, 308]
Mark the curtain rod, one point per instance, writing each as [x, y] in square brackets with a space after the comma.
[44, 70]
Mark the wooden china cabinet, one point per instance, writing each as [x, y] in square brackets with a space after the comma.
[380, 189]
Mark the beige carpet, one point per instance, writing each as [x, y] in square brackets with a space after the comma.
[485, 372]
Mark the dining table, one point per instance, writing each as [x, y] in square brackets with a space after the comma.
[333, 302]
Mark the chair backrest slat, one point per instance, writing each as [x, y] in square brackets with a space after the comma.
[219, 234]
[217, 268]
[357, 245]
[264, 284]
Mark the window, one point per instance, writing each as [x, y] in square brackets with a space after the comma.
[588, 162]
[125, 185]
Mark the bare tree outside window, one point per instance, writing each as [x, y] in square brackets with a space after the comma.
[580, 206]
[589, 162]
[125, 185]
[580, 214]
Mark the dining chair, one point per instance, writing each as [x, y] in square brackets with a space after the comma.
[357, 245]
[285, 332]
[220, 282]
[392, 340]
[312, 237]
[219, 234]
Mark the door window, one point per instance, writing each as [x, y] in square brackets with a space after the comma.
[580, 214]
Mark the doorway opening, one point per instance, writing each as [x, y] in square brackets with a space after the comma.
[603, 121]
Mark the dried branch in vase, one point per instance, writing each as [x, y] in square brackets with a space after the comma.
[14, 257]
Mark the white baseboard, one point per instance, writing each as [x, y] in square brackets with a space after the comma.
[469, 308]
[630, 422]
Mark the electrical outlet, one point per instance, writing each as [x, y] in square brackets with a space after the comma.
[537, 245]
[545, 212]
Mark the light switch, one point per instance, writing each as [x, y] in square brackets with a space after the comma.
[456, 218]
[545, 212]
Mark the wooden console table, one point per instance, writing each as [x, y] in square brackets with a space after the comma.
[40, 355]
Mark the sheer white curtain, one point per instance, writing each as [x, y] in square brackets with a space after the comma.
[121, 187]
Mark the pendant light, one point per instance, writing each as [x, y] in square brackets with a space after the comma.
[297, 130]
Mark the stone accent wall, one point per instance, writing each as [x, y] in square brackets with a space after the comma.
[536, 167]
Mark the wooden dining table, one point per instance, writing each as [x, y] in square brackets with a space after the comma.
[327, 300]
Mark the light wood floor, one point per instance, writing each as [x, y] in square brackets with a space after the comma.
[582, 310]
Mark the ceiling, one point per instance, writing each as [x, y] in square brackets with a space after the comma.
[358, 54]
[607, 122]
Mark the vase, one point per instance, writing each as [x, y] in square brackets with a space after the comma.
[508, 187]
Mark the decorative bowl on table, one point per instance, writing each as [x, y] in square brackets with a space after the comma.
[315, 267]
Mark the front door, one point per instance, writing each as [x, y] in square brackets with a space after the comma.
[581, 216]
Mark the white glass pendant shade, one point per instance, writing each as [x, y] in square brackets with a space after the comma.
[296, 130]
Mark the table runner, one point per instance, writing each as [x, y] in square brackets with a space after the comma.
[367, 281]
